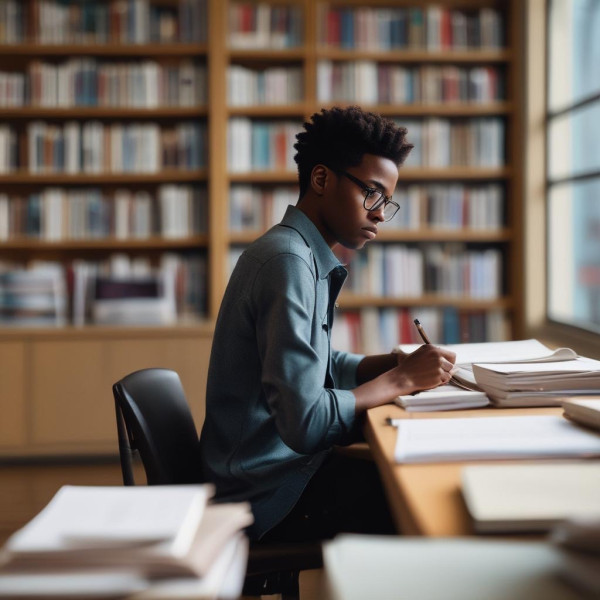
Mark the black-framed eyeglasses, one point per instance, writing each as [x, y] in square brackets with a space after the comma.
[375, 198]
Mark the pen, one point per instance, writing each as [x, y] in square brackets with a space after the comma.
[421, 331]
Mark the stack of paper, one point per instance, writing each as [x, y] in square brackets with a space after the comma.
[536, 384]
[126, 536]
[522, 373]
[530, 497]
[444, 397]
[438, 440]
[585, 411]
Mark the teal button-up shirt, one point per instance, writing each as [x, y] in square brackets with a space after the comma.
[278, 397]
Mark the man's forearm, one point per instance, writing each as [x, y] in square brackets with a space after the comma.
[373, 366]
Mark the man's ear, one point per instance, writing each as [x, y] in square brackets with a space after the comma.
[318, 179]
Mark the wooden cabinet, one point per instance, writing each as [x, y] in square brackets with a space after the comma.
[57, 388]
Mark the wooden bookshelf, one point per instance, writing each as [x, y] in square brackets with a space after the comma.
[186, 346]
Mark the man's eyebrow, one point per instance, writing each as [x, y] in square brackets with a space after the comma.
[377, 184]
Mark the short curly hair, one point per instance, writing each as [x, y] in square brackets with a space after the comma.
[340, 137]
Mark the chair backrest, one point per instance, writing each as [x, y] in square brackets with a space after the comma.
[154, 419]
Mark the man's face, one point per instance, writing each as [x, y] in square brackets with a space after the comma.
[347, 221]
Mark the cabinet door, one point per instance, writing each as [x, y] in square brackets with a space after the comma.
[12, 394]
[72, 402]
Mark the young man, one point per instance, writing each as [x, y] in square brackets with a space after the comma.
[278, 397]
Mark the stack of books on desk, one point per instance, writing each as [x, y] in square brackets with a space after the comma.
[115, 541]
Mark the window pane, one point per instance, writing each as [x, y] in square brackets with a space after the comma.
[574, 141]
[574, 254]
[574, 59]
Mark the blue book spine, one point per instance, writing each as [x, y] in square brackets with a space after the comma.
[347, 27]
[451, 326]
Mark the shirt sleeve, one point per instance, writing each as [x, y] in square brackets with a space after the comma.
[308, 417]
[344, 367]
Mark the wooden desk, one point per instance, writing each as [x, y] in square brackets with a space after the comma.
[425, 499]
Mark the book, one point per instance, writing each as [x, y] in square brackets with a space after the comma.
[224, 580]
[530, 497]
[361, 566]
[490, 438]
[444, 397]
[538, 384]
[585, 411]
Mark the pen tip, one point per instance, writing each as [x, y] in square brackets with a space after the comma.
[417, 322]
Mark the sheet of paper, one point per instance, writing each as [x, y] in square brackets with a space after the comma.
[438, 440]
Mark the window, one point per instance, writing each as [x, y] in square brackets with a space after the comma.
[573, 164]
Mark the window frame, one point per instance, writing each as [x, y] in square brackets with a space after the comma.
[536, 187]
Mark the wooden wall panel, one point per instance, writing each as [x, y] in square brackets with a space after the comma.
[12, 394]
[71, 395]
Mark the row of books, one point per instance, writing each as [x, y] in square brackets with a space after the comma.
[101, 21]
[273, 85]
[261, 25]
[401, 271]
[433, 28]
[256, 208]
[55, 214]
[88, 82]
[95, 147]
[34, 296]
[369, 82]
[261, 145]
[452, 206]
[473, 142]
[434, 206]
[375, 331]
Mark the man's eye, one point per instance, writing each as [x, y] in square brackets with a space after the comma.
[371, 193]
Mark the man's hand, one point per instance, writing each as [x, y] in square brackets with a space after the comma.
[427, 367]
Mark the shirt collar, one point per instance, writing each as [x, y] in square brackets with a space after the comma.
[325, 260]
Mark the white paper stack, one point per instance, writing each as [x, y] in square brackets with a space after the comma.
[101, 541]
[484, 438]
[523, 372]
[444, 397]
[536, 384]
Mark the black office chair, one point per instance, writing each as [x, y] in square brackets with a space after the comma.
[154, 420]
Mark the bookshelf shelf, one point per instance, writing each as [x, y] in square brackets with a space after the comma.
[275, 55]
[454, 174]
[264, 177]
[429, 110]
[150, 243]
[93, 112]
[171, 176]
[352, 301]
[286, 110]
[114, 50]
[417, 56]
